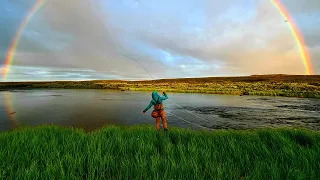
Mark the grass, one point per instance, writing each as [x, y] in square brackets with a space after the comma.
[263, 85]
[139, 152]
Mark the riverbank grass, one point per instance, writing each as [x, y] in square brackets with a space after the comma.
[139, 152]
[261, 85]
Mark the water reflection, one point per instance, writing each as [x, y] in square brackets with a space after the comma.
[92, 109]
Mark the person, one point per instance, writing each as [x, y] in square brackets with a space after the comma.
[158, 111]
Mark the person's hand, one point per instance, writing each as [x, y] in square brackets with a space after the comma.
[143, 112]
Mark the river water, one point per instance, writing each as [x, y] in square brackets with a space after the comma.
[91, 109]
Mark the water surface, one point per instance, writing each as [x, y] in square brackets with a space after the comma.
[92, 109]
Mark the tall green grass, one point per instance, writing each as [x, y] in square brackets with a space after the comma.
[139, 152]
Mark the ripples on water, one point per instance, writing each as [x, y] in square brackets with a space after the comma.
[92, 109]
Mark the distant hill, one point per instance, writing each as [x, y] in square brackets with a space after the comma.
[252, 78]
[262, 85]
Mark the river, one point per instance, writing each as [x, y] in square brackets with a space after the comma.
[91, 109]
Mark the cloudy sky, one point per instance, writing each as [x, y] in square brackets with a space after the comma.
[104, 39]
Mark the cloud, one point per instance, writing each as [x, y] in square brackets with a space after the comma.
[303, 7]
[261, 45]
[22, 73]
[11, 14]
[170, 39]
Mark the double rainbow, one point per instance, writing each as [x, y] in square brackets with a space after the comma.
[294, 30]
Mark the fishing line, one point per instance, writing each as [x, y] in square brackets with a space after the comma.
[169, 114]
[190, 112]
[134, 61]
[168, 99]
[189, 121]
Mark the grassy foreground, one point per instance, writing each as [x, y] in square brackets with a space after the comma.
[138, 152]
[262, 85]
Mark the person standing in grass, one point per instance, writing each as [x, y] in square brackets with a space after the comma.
[158, 111]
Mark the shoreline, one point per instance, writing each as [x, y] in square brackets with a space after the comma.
[312, 95]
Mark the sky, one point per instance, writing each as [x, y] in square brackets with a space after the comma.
[109, 39]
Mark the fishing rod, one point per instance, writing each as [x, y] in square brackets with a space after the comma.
[168, 99]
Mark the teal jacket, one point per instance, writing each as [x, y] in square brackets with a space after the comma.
[156, 99]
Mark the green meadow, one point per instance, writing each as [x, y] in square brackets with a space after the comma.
[139, 152]
[262, 85]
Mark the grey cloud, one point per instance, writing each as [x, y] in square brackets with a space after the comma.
[312, 39]
[21, 73]
[310, 10]
[245, 52]
[90, 36]
[11, 15]
[264, 44]
[306, 6]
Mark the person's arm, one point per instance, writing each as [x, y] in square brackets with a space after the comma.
[165, 96]
[148, 107]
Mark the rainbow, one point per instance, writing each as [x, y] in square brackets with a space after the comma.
[14, 43]
[294, 29]
[296, 35]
